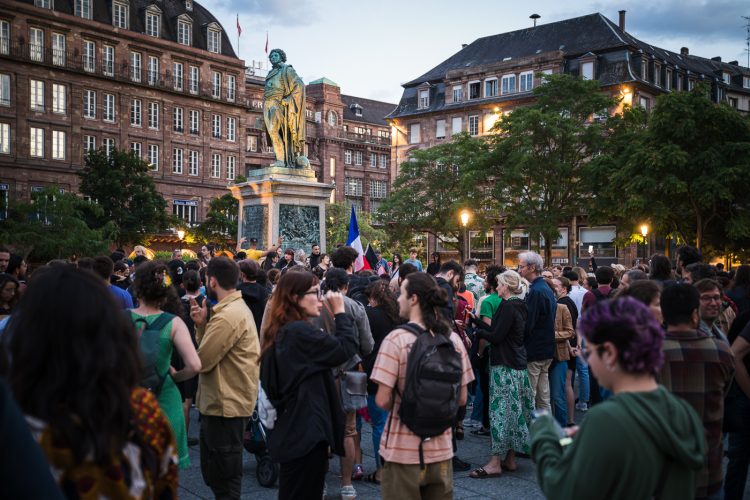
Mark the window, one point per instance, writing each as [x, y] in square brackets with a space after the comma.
[216, 125]
[4, 138]
[668, 81]
[36, 44]
[424, 99]
[473, 125]
[746, 82]
[120, 15]
[384, 160]
[733, 102]
[153, 156]
[691, 84]
[36, 97]
[184, 33]
[378, 189]
[332, 118]
[153, 23]
[457, 125]
[135, 148]
[657, 75]
[4, 188]
[347, 157]
[678, 81]
[89, 104]
[509, 84]
[644, 102]
[186, 210]
[527, 81]
[458, 93]
[231, 87]
[59, 99]
[727, 77]
[89, 56]
[358, 157]
[231, 129]
[153, 115]
[332, 167]
[83, 8]
[58, 49]
[135, 66]
[109, 146]
[474, 90]
[153, 70]
[252, 143]
[231, 167]
[353, 186]
[194, 122]
[440, 128]
[414, 134]
[177, 73]
[36, 142]
[4, 90]
[109, 107]
[587, 70]
[194, 79]
[89, 143]
[373, 160]
[177, 119]
[108, 60]
[193, 163]
[177, 160]
[58, 145]
[216, 85]
[45, 4]
[216, 165]
[490, 87]
[214, 40]
[135, 113]
[4, 37]
[644, 69]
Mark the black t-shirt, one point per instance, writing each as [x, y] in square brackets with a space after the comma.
[741, 328]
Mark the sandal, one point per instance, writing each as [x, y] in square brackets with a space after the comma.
[372, 477]
[506, 468]
[481, 432]
[480, 473]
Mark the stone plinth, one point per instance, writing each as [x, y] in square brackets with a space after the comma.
[279, 201]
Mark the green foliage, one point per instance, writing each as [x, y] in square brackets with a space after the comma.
[124, 189]
[53, 226]
[221, 221]
[337, 227]
[431, 190]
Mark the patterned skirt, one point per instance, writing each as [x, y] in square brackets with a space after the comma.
[511, 404]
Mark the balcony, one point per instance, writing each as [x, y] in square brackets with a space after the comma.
[366, 138]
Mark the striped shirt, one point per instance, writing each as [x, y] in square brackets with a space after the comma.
[399, 444]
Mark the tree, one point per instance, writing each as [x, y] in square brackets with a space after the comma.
[337, 227]
[122, 186]
[430, 192]
[221, 220]
[686, 172]
[53, 226]
[538, 154]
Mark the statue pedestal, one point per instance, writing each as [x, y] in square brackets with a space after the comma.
[286, 202]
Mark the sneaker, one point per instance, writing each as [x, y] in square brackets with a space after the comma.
[358, 473]
[348, 493]
[582, 407]
[459, 465]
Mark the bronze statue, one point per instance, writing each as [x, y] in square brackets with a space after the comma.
[284, 112]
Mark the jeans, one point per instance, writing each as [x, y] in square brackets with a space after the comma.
[557, 373]
[476, 413]
[583, 379]
[378, 418]
[738, 453]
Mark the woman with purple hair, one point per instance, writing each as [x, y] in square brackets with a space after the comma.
[642, 442]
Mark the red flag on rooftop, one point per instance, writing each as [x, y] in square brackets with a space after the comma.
[239, 28]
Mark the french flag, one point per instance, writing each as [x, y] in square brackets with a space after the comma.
[354, 241]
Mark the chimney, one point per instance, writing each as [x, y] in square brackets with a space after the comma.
[717, 58]
[684, 51]
[622, 20]
[734, 63]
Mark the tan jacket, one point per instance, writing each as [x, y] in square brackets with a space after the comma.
[563, 332]
[228, 348]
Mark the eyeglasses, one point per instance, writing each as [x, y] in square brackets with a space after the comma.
[317, 292]
[711, 298]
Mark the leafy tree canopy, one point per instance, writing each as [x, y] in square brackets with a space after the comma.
[221, 220]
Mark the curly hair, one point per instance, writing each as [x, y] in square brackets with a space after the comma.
[380, 292]
[150, 284]
[631, 327]
[279, 52]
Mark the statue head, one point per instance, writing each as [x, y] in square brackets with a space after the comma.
[279, 52]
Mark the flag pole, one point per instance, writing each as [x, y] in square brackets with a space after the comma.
[238, 36]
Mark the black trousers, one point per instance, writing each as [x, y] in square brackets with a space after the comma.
[221, 455]
[305, 476]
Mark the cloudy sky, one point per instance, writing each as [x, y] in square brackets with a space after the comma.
[371, 47]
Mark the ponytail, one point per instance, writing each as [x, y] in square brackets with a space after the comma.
[431, 299]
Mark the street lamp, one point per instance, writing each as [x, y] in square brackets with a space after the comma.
[644, 232]
[180, 234]
[465, 215]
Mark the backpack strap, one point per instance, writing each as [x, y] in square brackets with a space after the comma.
[161, 321]
[413, 328]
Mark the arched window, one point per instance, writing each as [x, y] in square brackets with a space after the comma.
[332, 118]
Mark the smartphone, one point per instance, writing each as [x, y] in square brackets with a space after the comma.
[565, 440]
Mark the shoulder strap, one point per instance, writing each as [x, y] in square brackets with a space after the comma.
[413, 328]
[161, 321]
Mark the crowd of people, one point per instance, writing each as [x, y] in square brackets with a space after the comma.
[103, 358]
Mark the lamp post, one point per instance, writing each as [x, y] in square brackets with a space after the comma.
[181, 234]
[465, 215]
[644, 232]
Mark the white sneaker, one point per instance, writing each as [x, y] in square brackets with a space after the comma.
[468, 422]
[348, 493]
[582, 407]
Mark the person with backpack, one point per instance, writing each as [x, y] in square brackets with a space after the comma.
[604, 277]
[158, 332]
[422, 371]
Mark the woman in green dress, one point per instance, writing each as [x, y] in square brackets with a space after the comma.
[154, 292]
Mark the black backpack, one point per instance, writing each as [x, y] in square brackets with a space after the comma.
[429, 404]
[148, 345]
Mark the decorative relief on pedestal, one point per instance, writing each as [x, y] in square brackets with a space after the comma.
[255, 224]
[300, 226]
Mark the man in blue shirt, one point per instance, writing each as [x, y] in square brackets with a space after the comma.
[413, 259]
[103, 267]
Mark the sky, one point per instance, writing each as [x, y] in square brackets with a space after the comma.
[370, 48]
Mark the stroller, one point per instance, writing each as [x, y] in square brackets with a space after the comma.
[267, 472]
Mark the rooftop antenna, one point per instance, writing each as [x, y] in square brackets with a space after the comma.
[747, 38]
[537, 16]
